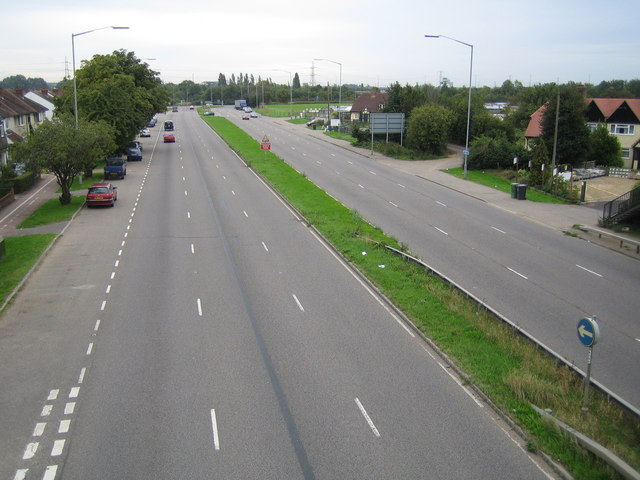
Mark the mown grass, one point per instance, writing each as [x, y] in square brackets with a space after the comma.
[285, 110]
[21, 254]
[52, 211]
[510, 370]
[502, 184]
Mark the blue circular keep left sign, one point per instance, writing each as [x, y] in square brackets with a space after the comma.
[588, 331]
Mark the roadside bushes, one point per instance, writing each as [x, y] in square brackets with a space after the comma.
[20, 184]
[495, 154]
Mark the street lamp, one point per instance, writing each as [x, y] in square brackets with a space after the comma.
[466, 147]
[339, 88]
[73, 55]
[290, 90]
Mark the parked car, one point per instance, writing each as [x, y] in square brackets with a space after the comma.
[134, 154]
[145, 132]
[115, 167]
[152, 123]
[103, 193]
[169, 138]
[136, 144]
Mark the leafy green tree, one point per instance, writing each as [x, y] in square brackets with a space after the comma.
[428, 129]
[118, 89]
[605, 148]
[222, 80]
[458, 105]
[538, 175]
[20, 81]
[573, 134]
[296, 81]
[66, 151]
[495, 153]
[404, 99]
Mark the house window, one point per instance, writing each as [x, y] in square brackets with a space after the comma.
[621, 129]
[592, 127]
[625, 153]
[20, 120]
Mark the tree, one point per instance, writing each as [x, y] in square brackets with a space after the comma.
[64, 150]
[573, 134]
[605, 148]
[222, 80]
[118, 89]
[540, 171]
[428, 129]
[20, 81]
[404, 99]
[296, 80]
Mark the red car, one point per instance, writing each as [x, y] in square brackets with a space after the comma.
[169, 138]
[102, 194]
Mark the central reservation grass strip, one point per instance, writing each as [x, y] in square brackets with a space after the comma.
[511, 371]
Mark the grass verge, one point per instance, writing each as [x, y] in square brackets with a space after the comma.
[502, 184]
[511, 371]
[21, 254]
[52, 211]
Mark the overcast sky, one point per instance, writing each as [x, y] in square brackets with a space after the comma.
[377, 42]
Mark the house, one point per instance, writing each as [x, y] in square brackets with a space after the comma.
[620, 115]
[43, 97]
[18, 116]
[367, 103]
[622, 118]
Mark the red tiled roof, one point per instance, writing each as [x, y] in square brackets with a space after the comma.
[371, 101]
[607, 106]
[534, 129]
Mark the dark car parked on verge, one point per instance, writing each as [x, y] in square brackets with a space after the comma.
[134, 154]
[115, 167]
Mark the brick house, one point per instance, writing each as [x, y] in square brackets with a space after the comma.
[18, 116]
[368, 103]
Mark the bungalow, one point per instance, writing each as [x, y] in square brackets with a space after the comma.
[18, 116]
[620, 115]
[368, 103]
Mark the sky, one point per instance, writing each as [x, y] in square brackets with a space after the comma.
[372, 42]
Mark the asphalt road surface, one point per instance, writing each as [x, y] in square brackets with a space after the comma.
[540, 279]
[199, 329]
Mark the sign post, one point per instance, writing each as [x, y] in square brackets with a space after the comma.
[265, 145]
[588, 333]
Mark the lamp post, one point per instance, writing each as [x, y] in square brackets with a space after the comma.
[290, 90]
[340, 86]
[73, 55]
[466, 147]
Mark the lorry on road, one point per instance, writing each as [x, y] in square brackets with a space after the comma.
[240, 104]
[115, 167]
